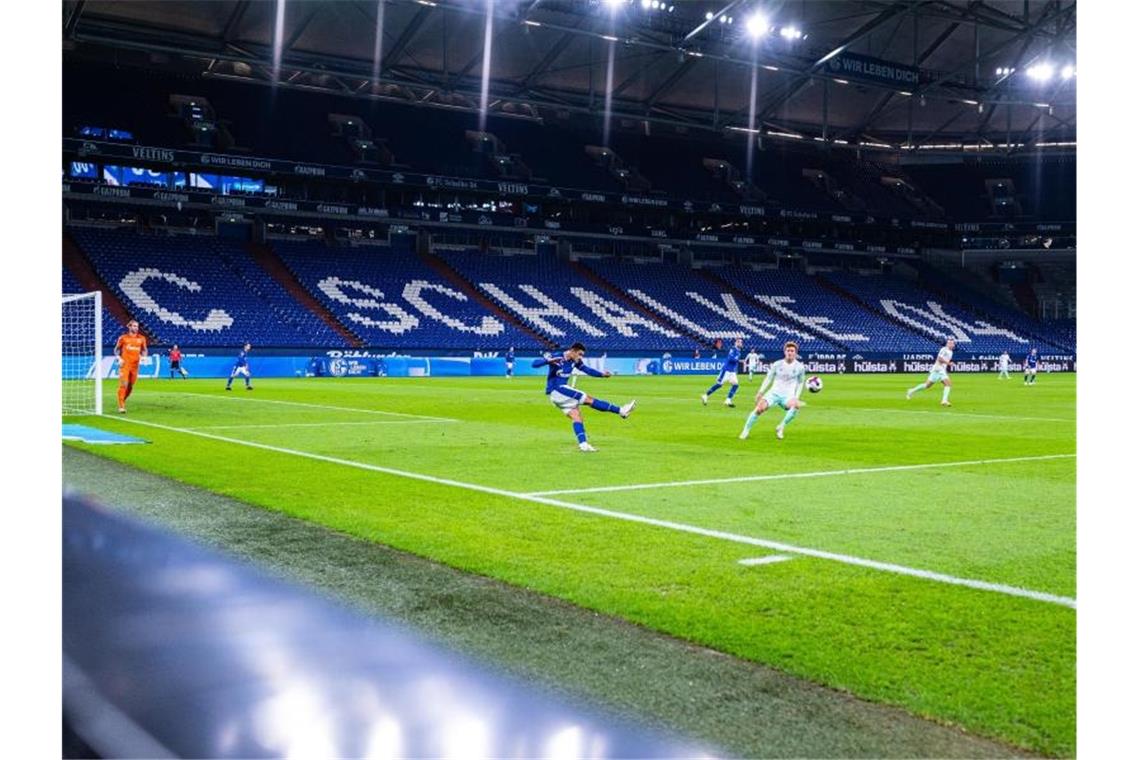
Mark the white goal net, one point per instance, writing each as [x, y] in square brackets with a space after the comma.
[82, 353]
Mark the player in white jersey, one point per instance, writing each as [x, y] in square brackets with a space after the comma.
[752, 363]
[939, 372]
[786, 379]
[1003, 366]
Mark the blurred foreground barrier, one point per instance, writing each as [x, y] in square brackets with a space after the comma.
[172, 650]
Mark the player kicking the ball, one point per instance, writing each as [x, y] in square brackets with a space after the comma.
[568, 399]
[939, 373]
[786, 379]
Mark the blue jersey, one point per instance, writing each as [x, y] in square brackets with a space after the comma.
[559, 368]
[1031, 361]
[510, 356]
[731, 361]
[242, 359]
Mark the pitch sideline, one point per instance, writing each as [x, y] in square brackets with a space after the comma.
[846, 559]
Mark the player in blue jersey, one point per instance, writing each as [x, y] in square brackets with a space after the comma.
[727, 375]
[1031, 367]
[511, 361]
[241, 367]
[569, 400]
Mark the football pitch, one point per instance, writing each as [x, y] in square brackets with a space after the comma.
[905, 553]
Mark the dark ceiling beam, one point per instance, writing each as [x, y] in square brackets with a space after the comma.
[406, 36]
[1046, 17]
[296, 35]
[704, 24]
[499, 33]
[804, 77]
[943, 128]
[548, 60]
[931, 49]
[235, 18]
[625, 85]
[73, 19]
[663, 89]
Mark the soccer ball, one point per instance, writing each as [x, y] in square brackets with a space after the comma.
[814, 384]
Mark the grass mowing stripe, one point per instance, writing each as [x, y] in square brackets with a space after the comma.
[247, 399]
[778, 546]
[317, 424]
[748, 709]
[793, 475]
[945, 415]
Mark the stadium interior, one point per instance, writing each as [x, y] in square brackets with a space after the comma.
[703, 217]
[433, 180]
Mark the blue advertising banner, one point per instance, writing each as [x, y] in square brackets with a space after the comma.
[868, 69]
[335, 364]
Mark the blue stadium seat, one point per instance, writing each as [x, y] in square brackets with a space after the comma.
[390, 298]
[200, 291]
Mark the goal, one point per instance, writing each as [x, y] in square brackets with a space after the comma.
[82, 330]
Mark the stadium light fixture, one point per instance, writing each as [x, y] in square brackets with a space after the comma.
[1068, 72]
[1042, 72]
[791, 33]
[708, 16]
[756, 25]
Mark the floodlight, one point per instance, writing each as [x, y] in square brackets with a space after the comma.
[756, 25]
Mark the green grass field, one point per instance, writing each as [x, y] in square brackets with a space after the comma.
[931, 551]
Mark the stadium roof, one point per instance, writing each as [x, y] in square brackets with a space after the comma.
[899, 73]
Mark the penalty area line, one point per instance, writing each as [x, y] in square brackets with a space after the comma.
[795, 475]
[888, 567]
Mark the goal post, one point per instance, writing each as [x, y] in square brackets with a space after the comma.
[82, 344]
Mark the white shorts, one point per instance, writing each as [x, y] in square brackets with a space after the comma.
[937, 375]
[240, 371]
[727, 378]
[1031, 370]
[777, 399]
[566, 398]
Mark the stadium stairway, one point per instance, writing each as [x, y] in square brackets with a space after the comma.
[623, 298]
[1025, 296]
[76, 262]
[464, 286]
[723, 282]
[265, 258]
[825, 283]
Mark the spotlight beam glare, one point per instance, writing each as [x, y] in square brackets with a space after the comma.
[485, 84]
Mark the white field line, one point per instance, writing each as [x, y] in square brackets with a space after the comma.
[317, 424]
[795, 475]
[769, 560]
[250, 399]
[888, 567]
